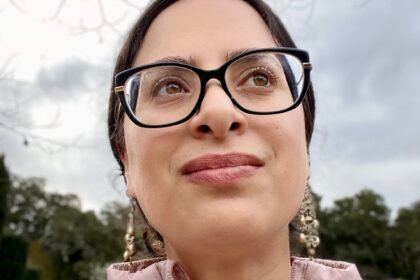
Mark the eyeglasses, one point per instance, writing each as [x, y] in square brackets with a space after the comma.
[261, 82]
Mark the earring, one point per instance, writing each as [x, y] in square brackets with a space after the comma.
[309, 225]
[129, 238]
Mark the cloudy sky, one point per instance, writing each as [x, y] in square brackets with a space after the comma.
[55, 72]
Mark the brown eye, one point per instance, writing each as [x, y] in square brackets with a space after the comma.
[173, 88]
[170, 86]
[260, 80]
[257, 78]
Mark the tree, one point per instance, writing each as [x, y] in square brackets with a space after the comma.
[115, 216]
[4, 189]
[73, 243]
[13, 249]
[406, 242]
[13, 254]
[356, 229]
[30, 207]
[77, 241]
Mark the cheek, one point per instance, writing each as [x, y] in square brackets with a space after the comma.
[289, 138]
[150, 177]
[286, 136]
[292, 145]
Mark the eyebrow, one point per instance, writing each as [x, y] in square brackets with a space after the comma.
[232, 54]
[191, 61]
[177, 59]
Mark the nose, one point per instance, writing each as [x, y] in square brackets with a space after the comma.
[217, 116]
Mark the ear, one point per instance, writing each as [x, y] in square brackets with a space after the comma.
[124, 160]
[130, 192]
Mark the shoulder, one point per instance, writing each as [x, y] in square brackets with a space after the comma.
[147, 269]
[307, 269]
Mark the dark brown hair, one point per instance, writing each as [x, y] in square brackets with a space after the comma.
[153, 240]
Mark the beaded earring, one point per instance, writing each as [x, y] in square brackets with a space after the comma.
[130, 248]
[309, 225]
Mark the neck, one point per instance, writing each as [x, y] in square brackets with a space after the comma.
[268, 260]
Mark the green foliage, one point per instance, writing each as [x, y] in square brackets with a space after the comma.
[13, 252]
[358, 229]
[4, 189]
[357, 224]
[31, 208]
[115, 217]
[77, 242]
[32, 274]
[405, 242]
[77, 237]
[73, 244]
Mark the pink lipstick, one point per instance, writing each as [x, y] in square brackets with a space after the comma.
[221, 169]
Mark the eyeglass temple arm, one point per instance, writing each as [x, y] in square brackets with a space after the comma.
[118, 89]
[307, 65]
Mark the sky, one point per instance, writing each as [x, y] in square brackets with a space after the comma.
[56, 61]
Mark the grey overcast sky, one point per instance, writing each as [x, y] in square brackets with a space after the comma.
[55, 74]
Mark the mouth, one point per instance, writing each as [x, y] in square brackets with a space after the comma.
[221, 169]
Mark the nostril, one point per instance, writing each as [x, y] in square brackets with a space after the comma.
[234, 126]
[204, 128]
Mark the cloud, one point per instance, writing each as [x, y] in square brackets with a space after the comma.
[366, 82]
[71, 77]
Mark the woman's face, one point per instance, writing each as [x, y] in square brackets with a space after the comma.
[226, 206]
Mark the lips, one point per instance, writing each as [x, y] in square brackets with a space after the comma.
[225, 168]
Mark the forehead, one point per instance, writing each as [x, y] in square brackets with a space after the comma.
[204, 31]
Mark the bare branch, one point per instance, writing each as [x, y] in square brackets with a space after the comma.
[128, 3]
[58, 10]
[6, 65]
[303, 5]
[98, 29]
[46, 144]
[17, 6]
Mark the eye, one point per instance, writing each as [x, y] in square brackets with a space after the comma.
[260, 80]
[172, 88]
[169, 86]
[259, 77]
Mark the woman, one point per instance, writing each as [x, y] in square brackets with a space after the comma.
[211, 116]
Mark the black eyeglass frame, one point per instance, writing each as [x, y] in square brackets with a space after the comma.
[205, 76]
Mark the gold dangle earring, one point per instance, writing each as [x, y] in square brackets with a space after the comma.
[309, 225]
[130, 248]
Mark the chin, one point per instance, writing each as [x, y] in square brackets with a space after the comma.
[232, 224]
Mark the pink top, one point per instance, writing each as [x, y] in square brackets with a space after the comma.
[167, 269]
